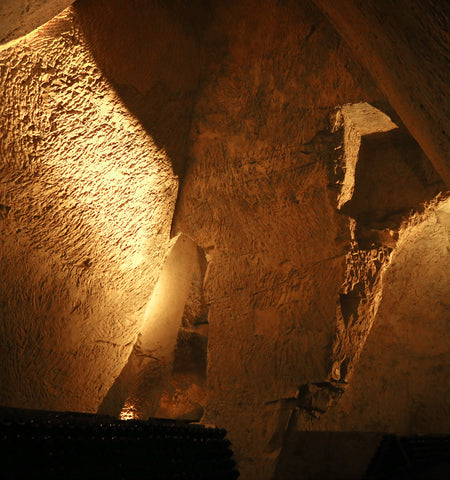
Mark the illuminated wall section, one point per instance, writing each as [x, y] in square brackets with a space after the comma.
[318, 277]
[20, 17]
[164, 376]
[86, 202]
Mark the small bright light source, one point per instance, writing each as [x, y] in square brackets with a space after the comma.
[128, 412]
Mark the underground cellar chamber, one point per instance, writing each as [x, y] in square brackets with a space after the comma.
[235, 215]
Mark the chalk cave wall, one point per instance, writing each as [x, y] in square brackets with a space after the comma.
[87, 201]
[124, 123]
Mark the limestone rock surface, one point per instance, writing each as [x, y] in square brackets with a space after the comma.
[20, 17]
[87, 198]
[264, 136]
[405, 45]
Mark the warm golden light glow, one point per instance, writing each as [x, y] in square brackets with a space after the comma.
[156, 345]
[90, 195]
[109, 165]
[165, 309]
[128, 412]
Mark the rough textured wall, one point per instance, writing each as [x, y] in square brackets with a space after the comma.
[406, 360]
[405, 45]
[382, 176]
[100, 109]
[19, 17]
[293, 279]
[258, 198]
[400, 383]
[152, 52]
[87, 196]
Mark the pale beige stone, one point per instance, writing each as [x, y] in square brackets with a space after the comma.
[319, 224]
